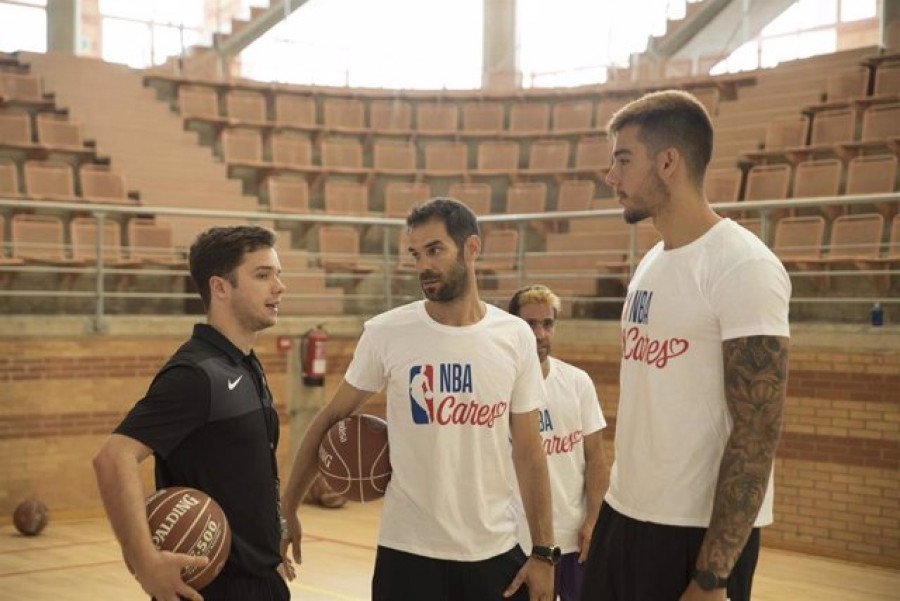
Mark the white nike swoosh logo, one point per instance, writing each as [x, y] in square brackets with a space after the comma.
[231, 384]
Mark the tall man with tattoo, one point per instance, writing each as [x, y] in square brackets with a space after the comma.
[703, 376]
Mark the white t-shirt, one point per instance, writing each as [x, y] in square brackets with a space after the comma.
[450, 391]
[673, 422]
[572, 413]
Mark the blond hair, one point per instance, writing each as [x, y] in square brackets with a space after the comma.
[537, 293]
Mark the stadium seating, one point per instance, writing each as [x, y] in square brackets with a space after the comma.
[394, 157]
[497, 158]
[390, 117]
[346, 198]
[50, 180]
[9, 179]
[573, 117]
[103, 184]
[287, 194]
[446, 159]
[803, 132]
[874, 174]
[15, 129]
[343, 156]
[482, 119]
[344, 116]
[399, 197]
[819, 178]
[21, 88]
[547, 158]
[292, 152]
[798, 241]
[339, 252]
[529, 119]
[723, 185]
[476, 196]
[246, 107]
[295, 112]
[150, 244]
[434, 118]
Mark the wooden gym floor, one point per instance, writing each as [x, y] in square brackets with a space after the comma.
[79, 560]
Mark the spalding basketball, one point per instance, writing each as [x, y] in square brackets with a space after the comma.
[30, 517]
[186, 520]
[354, 458]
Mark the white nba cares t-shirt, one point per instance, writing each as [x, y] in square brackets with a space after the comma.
[572, 412]
[450, 391]
[673, 422]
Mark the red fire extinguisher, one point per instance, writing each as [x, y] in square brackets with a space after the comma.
[313, 356]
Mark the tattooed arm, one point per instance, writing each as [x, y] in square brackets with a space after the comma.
[756, 370]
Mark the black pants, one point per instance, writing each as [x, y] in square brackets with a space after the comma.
[234, 585]
[403, 576]
[630, 560]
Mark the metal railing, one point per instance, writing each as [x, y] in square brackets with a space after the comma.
[390, 285]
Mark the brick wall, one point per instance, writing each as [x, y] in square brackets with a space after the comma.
[61, 398]
[837, 473]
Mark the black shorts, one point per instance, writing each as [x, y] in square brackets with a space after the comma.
[403, 576]
[630, 560]
[235, 585]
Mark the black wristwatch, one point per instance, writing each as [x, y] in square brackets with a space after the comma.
[549, 554]
[709, 580]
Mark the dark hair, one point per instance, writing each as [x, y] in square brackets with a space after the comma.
[667, 119]
[536, 293]
[459, 219]
[220, 250]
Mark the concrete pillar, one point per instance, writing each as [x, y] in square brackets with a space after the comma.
[500, 66]
[63, 26]
[91, 43]
[889, 12]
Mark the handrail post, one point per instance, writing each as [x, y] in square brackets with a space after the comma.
[99, 324]
[385, 253]
[520, 254]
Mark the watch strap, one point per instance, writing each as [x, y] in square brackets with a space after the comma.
[549, 554]
[709, 580]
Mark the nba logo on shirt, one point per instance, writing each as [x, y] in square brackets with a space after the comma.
[421, 393]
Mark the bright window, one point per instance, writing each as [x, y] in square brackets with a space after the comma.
[141, 34]
[570, 42]
[23, 27]
[807, 28]
[127, 42]
[804, 14]
[360, 43]
[855, 10]
[189, 13]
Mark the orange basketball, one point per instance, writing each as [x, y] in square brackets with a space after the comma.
[354, 457]
[186, 520]
[30, 517]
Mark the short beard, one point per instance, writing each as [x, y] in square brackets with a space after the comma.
[658, 189]
[455, 286]
[636, 216]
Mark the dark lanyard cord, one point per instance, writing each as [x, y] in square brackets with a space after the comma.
[262, 388]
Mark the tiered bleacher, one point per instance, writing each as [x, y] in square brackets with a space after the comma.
[328, 166]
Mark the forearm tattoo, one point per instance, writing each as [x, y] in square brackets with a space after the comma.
[756, 371]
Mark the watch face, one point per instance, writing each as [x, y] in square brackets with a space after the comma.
[551, 554]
